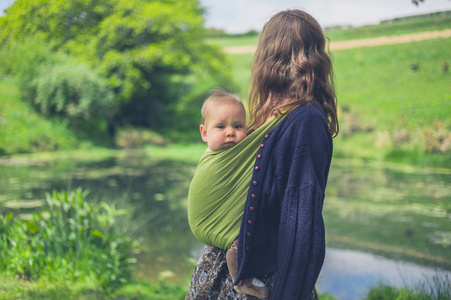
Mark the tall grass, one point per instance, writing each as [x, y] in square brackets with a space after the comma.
[71, 240]
[437, 289]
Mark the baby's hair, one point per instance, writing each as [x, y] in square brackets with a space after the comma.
[219, 96]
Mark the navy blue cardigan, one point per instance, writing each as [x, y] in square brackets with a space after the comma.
[282, 227]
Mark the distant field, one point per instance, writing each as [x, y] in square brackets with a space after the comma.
[379, 84]
[232, 41]
[389, 28]
[394, 27]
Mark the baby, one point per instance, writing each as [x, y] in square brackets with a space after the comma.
[224, 125]
[223, 121]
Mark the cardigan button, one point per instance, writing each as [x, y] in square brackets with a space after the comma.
[251, 208]
[249, 222]
[253, 196]
[259, 156]
[247, 248]
[248, 234]
[266, 136]
[256, 168]
[254, 182]
[262, 145]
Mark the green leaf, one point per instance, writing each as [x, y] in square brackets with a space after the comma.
[32, 227]
[9, 216]
[96, 233]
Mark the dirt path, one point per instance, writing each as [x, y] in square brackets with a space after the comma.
[384, 40]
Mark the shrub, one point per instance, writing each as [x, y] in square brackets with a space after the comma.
[438, 139]
[71, 90]
[57, 85]
[72, 239]
[350, 122]
[137, 138]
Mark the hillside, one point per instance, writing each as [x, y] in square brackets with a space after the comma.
[394, 94]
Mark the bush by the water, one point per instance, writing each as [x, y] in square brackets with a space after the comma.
[71, 240]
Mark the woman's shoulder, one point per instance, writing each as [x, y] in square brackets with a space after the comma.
[305, 114]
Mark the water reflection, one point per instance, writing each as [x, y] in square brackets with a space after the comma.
[403, 215]
[399, 214]
[349, 274]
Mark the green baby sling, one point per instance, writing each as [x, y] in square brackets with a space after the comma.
[219, 188]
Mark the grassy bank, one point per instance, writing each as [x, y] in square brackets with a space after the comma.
[14, 289]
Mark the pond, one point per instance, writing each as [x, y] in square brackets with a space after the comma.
[383, 223]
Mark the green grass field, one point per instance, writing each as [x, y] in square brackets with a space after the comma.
[386, 108]
[378, 83]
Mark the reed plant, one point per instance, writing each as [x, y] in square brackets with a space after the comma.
[436, 288]
[71, 239]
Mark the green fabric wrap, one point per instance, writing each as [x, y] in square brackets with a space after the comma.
[219, 187]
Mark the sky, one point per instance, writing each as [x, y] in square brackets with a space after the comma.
[238, 16]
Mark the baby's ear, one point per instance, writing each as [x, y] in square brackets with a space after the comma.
[203, 132]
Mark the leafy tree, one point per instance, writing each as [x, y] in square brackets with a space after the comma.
[147, 50]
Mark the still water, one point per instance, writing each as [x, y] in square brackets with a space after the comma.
[383, 223]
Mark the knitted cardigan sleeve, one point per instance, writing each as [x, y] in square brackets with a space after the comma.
[301, 243]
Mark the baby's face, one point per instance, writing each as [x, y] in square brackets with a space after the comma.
[225, 126]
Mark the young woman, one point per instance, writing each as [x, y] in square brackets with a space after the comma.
[282, 239]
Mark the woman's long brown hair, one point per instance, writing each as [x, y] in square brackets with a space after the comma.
[291, 68]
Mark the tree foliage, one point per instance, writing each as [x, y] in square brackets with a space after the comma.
[417, 2]
[58, 86]
[148, 51]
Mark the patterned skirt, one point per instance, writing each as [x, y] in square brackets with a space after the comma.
[211, 279]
